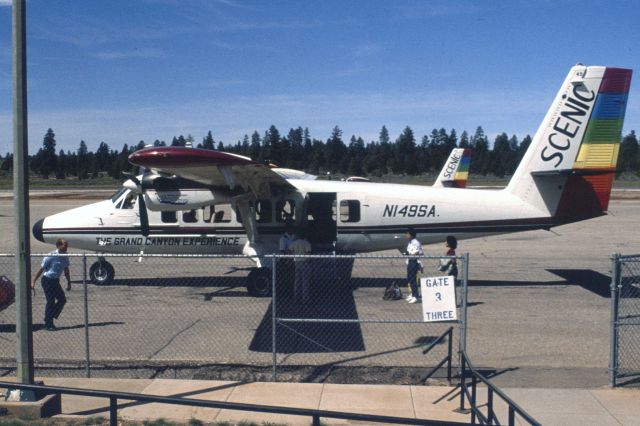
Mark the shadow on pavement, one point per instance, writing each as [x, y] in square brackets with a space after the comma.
[588, 279]
[11, 328]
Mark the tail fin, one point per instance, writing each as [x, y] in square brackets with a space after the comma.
[568, 170]
[455, 171]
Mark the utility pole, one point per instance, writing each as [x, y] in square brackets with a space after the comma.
[24, 349]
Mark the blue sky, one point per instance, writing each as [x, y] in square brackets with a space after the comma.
[123, 71]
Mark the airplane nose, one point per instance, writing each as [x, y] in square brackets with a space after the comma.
[37, 230]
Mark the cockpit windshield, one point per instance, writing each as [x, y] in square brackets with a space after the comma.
[117, 195]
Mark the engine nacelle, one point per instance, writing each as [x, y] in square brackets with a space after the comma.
[162, 193]
[182, 199]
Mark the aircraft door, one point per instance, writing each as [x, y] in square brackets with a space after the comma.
[321, 223]
[348, 215]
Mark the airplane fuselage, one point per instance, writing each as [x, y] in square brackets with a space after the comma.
[350, 217]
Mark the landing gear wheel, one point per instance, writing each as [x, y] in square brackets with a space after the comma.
[259, 282]
[101, 273]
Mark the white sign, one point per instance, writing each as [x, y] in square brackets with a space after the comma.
[438, 298]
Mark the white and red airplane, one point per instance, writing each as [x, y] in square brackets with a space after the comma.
[200, 201]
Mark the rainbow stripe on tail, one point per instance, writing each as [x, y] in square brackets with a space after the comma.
[462, 174]
[588, 190]
[455, 171]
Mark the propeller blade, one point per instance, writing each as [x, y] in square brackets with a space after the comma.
[144, 218]
[131, 176]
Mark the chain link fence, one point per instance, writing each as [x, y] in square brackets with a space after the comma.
[625, 321]
[192, 316]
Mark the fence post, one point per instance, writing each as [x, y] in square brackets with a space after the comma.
[449, 354]
[86, 317]
[274, 321]
[463, 316]
[463, 379]
[613, 326]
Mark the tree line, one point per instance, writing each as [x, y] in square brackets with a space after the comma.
[298, 150]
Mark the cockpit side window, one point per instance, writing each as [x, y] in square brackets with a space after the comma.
[129, 201]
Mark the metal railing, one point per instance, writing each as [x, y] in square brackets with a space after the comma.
[471, 395]
[315, 414]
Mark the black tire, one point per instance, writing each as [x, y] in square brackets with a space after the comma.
[259, 282]
[101, 273]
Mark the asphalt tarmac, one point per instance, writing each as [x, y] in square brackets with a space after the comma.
[538, 315]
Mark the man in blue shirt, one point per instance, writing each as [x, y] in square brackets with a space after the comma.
[51, 269]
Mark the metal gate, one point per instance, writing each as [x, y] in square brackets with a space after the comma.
[625, 321]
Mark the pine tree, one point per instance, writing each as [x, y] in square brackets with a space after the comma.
[464, 140]
[102, 157]
[7, 163]
[295, 154]
[405, 150]
[46, 157]
[629, 153]
[255, 148]
[83, 161]
[208, 142]
[62, 165]
[335, 152]
[271, 147]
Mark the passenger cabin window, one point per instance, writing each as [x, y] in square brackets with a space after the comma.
[190, 216]
[218, 213]
[263, 211]
[207, 213]
[286, 211]
[349, 211]
[168, 217]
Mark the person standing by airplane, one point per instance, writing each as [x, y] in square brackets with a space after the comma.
[302, 287]
[284, 245]
[51, 269]
[414, 248]
[449, 265]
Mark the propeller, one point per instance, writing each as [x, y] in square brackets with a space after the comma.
[142, 207]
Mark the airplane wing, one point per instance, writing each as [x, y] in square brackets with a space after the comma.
[213, 168]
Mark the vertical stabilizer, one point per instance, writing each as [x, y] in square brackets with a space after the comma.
[568, 169]
[455, 171]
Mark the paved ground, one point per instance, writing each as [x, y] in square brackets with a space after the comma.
[580, 407]
[539, 313]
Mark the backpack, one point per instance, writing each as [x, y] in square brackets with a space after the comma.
[392, 292]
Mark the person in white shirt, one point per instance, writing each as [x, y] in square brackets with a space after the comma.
[302, 287]
[284, 245]
[414, 248]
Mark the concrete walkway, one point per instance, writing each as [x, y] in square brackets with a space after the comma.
[548, 406]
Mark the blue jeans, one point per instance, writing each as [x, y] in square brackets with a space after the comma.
[412, 276]
[55, 299]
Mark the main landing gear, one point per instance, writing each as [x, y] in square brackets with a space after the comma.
[101, 272]
[259, 282]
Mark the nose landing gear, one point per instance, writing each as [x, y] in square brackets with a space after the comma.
[101, 272]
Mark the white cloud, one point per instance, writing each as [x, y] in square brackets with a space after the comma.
[6, 3]
[127, 54]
